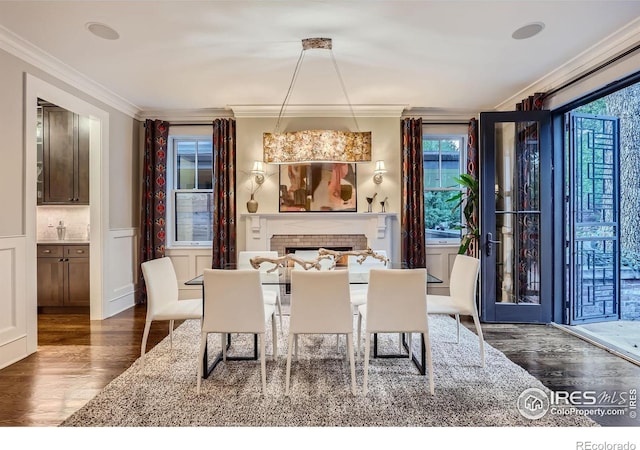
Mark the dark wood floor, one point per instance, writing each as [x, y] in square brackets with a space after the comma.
[77, 357]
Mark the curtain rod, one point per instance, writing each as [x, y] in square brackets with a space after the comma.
[592, 71]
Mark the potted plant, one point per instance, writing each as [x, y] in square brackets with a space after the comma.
[469, 200]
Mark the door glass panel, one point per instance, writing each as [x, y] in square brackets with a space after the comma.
[517, 212]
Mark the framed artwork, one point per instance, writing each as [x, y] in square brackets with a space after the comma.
[318, 187]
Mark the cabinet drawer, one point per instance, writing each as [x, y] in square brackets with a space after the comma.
[76, 251]
[50, 250]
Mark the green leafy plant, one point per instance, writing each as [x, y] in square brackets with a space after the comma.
[469, 201]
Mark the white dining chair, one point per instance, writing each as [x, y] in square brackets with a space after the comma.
[461, 300]
[233, 303]
[359, 291]
[162, 299]
[396, 303]
[272, 294]
[320, 305]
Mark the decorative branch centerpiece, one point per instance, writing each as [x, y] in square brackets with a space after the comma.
[323, 253]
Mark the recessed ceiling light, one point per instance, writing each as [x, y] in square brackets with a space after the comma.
[528, 30]
[102, 31]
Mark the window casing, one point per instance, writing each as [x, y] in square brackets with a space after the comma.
[190, 215]
[444, 159]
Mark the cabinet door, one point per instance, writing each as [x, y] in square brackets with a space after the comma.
[77, 281]
[59, 155]
[82, 170]
[51, 281]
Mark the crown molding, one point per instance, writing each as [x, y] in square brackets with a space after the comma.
[254, 111]
[26, 51]
[205, 115]
[610, 47]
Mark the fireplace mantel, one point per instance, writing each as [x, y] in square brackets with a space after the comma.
[377, 227]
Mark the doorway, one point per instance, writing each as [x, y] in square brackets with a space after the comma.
[602, 185]
[99, 131]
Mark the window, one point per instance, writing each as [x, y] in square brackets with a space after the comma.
[192, 193]
[444, 159]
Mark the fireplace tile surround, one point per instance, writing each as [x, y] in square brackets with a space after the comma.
[277, 231]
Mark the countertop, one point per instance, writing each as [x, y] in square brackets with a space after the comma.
[63, 241]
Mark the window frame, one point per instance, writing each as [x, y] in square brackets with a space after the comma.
[172, 190]
[462, 165]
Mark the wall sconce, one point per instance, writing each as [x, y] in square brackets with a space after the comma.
[379, 170]
[258, 171]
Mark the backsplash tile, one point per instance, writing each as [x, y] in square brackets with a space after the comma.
[75, 218]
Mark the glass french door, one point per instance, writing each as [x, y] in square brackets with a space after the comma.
[516, 216]
[592, 195]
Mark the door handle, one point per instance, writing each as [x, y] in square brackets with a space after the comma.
[489, 244]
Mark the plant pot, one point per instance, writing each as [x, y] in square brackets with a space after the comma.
[252, 205]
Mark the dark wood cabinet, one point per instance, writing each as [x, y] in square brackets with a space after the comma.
[63, 275]
[65, 157]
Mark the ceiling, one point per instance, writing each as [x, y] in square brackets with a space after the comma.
[195, 55]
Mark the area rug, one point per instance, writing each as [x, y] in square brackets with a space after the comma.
[163, 392]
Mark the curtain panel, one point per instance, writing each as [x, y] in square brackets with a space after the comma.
[154, 176]
[412, 221]
[224, 193]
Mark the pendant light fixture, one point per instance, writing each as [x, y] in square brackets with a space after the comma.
[316, 145]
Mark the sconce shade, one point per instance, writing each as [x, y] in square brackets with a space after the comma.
[316, 146]
[380, 167]
[258, 168]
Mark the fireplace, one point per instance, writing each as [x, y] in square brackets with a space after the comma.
[358, 231]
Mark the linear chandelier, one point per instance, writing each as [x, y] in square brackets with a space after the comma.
[316, 145]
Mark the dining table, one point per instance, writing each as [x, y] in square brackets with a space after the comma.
[281, 276]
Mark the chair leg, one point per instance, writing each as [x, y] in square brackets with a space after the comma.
[145, 335]
[263, 363]
[359, 334]
[274, 336]
[296, 347]
[476, 320]
[427, 346]
[279, 309]
[367, 342]
[457, 328]
[223, 339]
[288, 375]
[399, 343]
[203, 343]
[409, 344]
[351, 362]
[171, 334]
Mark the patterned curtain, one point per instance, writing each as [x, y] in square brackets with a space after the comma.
[527, 226]
[534, 102]
[153, 223]
[412, 222]
[472, 170]
[224, 193]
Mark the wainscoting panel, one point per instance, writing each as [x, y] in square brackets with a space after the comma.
[123, 270]
[440, 260]
[13, 302]
[189, 263]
